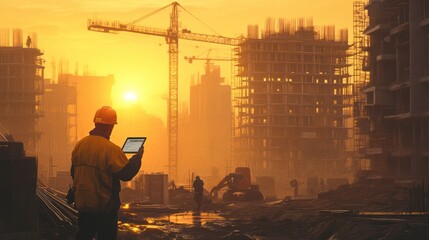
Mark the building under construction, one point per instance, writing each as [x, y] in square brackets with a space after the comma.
[397, 96]
[21, 87]
[93, 92]
[360, 80]
[210, 117]
[291, 102]
[59, 130]
[68, 118]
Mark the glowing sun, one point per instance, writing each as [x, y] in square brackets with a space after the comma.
[130, 97]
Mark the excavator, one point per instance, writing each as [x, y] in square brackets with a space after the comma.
[239, 187]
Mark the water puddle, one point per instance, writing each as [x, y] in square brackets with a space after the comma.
[394, 213]
[161, 222]
[191, 218]
[137, 228]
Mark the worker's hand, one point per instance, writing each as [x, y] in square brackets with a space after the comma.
[140, 152]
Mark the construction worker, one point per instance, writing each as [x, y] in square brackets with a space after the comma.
[28, 43]
[294, 185]
[198, 191]
[97, 167]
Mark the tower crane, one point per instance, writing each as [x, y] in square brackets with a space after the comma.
[207, 63]
[172, 35]
[208, 59]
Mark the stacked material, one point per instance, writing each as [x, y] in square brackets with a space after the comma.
[53, 206]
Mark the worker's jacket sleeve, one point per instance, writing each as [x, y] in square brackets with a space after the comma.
[118, 160]
[95, 160]
[130, 169]
[72, 171]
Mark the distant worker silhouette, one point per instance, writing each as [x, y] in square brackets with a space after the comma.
[198, 192]
[28, 43]
[294, 185]
[97, 167]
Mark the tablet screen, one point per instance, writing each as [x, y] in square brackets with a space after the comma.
[132, 144]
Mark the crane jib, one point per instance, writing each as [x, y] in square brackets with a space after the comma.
[108, 26]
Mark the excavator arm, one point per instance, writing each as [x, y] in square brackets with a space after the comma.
[223, 183]
[231, 181]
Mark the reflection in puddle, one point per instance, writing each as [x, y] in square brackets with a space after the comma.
[394, 213]
[192, 218]
[150, 220]
[137, 228]
[126, 206]
[187, 218]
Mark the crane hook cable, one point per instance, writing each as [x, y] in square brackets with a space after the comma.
[150, 14]
[156, 11]
[211, 29]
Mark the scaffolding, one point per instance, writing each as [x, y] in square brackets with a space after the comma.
[360, 80]
[291, 101]
[397, 94]
[21, 87]
[234, 84]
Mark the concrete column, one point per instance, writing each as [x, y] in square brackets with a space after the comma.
[417, 63]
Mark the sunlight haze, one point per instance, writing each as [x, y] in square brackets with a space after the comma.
[140, 61]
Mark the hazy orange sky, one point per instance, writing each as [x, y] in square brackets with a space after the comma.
[140, 62]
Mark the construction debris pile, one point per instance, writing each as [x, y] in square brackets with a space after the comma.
[181, 197]
[363, 197]
[359, 211]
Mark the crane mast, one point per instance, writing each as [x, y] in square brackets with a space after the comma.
[172, 36]
[173, 88]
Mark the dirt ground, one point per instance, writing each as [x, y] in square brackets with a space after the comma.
[359, 211]
[206, 225]
[367, 210]
[274, 220]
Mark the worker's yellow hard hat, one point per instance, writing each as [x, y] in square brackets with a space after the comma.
[105, 115]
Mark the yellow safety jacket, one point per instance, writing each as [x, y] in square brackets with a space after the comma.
[95, 159]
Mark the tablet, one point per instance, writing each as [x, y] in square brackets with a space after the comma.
[133, 144]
